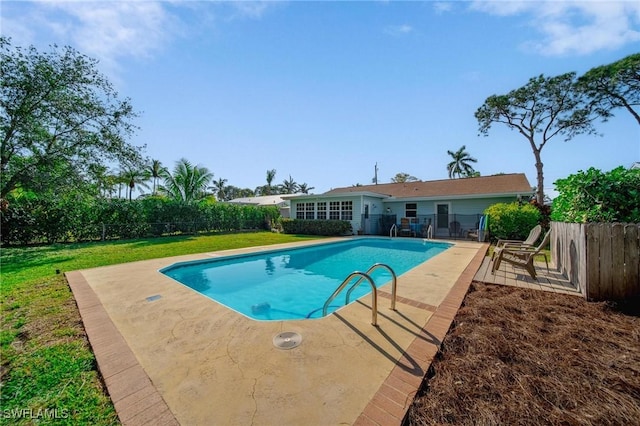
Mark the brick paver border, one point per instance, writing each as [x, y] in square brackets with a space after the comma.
[392, 400]
[135, 398]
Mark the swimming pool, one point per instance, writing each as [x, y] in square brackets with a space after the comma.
[295, 283]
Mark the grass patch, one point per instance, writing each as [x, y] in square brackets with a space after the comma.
[47, 363]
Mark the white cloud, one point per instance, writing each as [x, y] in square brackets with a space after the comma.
[107, 31]
[573, 27]
[112, 30]
[398, 30]
[442, 7]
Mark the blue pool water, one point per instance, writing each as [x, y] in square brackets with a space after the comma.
[295, 283]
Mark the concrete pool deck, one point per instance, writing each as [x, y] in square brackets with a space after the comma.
[169, 355]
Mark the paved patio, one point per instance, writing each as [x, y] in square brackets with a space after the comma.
[168, 355]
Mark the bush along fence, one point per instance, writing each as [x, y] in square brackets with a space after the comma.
[601, 259]
[119, 219]
[316, 227]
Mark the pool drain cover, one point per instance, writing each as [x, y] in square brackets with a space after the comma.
[287, 340]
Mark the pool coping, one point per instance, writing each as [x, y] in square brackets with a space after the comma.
[137, 401]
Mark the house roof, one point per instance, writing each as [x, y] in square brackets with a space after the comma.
[505, 184]
[264, 200]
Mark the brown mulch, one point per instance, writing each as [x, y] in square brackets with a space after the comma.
[524, 357]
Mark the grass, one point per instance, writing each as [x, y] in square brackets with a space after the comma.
[516, 356]
[48, 373]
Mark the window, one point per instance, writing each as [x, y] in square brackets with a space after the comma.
[309, 209]
[300, 211]
[322, 211]
[411, 210]
[334, 210]
[347, 210]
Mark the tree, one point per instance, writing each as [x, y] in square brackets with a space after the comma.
[304, 188]
[271, 175]
[134, 178]
[596, 196]
[155, 171]
[57, 113]
[460, 165]
[403, 177]
[612, 86]
[187, 183]
[220, 189]
[542, 109]
[289, 186]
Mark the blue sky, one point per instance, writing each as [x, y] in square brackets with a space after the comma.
[322, 91]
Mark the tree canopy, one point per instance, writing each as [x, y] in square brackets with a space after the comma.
[596, 196]
[403, 177]
[187, 183]
[58, 117]
[540, 110]
[615, 85]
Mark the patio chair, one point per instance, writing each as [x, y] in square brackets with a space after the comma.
[534, 234]
[455, 230]
[521, 256]
[405, 227]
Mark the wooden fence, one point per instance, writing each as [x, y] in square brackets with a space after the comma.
[601, 259]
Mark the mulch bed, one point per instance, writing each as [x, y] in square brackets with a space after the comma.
[525, 357]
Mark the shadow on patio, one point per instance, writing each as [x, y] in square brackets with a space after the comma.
[548, 280]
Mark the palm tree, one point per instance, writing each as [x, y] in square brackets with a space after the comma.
[133, 178]
[156, 170]
[289, 186]
[220, 189]
[304, 188]
[460, 165]
[187, 183]
[271, 175]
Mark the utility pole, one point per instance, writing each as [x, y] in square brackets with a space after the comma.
[375, 174]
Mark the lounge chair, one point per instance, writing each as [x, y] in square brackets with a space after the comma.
[520, 256]
[534, 234]
[405, 227]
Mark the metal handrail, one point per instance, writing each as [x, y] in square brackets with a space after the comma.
[374, 295]
[393, 228]
[394, 281]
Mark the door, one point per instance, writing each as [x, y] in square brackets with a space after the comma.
[442, 218]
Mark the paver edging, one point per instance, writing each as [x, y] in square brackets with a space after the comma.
[106, 341]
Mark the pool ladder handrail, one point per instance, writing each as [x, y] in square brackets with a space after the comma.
[391, 231]
[394, 283]
[374, 291]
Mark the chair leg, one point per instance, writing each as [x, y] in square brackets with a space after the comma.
[531, 269]
[496, 262]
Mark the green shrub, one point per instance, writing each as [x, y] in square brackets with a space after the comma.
[316, 227]
[29, 219]
[594, 196]
[512, 220]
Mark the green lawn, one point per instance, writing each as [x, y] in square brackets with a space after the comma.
[48, 370]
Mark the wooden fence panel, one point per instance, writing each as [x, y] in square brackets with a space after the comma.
[593, 261]
[568, 252]
[632, 260]
[601, 259]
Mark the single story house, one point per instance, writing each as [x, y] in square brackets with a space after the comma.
[266, 200]
[447, 208]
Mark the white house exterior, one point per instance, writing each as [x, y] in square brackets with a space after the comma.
[267, 200]
[430, 205]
